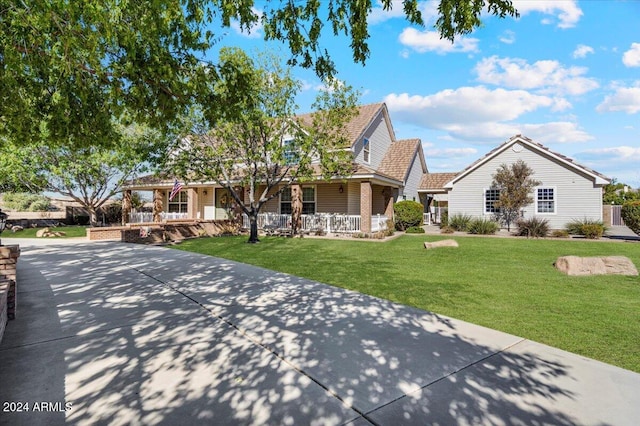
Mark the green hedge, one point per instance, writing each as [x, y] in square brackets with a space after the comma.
[631, 215]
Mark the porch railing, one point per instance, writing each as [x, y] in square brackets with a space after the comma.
[144, 217]
[434, 216]
[319, 222]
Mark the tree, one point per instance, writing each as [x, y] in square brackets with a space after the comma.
[515, 185]
[88, 175]
[68, 67]
[619, 193]
[252, 141]
[631, 215]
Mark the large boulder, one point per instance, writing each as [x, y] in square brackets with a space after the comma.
[605, 265]
[441, 243]
[40, 233]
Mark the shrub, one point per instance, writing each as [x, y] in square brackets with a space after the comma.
[415, 230]
[483, 227]
[391, 229]
[587, 227]
[631, 215]
[560, 233]
[444, 219]
[23, 202]
[533, 228]
[446, 230]
[593, 231]
[407, 214]
[460, 222]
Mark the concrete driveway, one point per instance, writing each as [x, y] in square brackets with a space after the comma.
[112, 333]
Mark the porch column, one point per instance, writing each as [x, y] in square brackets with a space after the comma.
[296, 208]
[365, 206]
[157, 205]
[192, 203]
[126, 206]
[237, 208]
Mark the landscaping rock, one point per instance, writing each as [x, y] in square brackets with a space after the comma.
[605, 265]
[46, 232]
[442, 243]
[41, 232]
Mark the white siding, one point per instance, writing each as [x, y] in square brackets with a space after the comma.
[329, 198]
[353, 197]
[379, 141]
[576, 195]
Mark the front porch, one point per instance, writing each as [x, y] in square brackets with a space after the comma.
[353, 206]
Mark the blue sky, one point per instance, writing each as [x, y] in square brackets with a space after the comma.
[565, 74]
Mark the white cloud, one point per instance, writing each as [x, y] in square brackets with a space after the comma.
[508, 37]
[624, 99]
[546, 76]
[430, 41]
[428, 9]
[631, 57]
[566, 12]
[255, 31]
[481, 115]
[582, 51]
[615, 153]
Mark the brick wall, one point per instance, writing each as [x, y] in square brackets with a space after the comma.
[154, 233]
[8, 287]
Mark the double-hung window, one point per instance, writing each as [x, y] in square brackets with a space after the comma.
[491, 196]
[545, 200]
[308, 200]
[285, 201]
[178, 203]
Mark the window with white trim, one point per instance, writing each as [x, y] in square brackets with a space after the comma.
[491, 196]
[285, 201]
[290, 153]
[366, 150]
[179, 203]
[545, 200]
[308, 200]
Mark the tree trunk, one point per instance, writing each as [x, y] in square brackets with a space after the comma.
[126, 207]
[253, 228]
[93, 216]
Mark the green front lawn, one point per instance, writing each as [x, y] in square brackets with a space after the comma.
[70, 231]
[508, 284]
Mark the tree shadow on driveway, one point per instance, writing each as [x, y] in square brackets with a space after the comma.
[146, 335]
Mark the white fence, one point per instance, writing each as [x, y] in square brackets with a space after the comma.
[144, 217]
[435, 215]
[319, 222]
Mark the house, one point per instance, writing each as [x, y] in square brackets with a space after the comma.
[385, 170]
[567, 190]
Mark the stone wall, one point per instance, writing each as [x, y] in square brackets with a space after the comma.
[8, 286]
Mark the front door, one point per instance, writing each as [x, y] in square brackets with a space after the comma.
[223, 202]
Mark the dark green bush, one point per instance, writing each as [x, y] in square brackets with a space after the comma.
[460, 222]
[631, 215]
[587, 227]
[415, 230]
[483, 227]
[533, 228]
[444, 219]
[407, 214]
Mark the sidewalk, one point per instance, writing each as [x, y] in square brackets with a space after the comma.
[112, 333]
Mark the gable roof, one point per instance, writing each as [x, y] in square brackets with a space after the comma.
[360, 122]
[598, 178]
[399, 158]
[435, 182]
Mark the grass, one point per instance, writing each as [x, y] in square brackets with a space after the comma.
[70, 231]
[508, 284]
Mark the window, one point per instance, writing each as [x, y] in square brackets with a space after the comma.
[178, 204]
[545, 200]
[308, 200]
[285, 201]
[290, 154]
[366, 150]
[490, 198]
